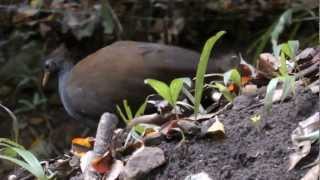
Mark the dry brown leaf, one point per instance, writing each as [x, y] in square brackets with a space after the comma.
[81, 145]
[313, 173]
[102, 164]
[216, 129]
[303, 151]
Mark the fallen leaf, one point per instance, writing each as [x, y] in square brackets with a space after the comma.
[82, 145]
[216, 129]
[102, 164]
[313, 173]
[303, 151]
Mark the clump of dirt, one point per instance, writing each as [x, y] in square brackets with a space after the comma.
[246, 152]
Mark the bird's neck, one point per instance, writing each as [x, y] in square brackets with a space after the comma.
[63, 81]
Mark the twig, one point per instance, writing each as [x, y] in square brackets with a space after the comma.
[307, 71]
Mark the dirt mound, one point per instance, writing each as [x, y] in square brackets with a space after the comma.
[245, 153]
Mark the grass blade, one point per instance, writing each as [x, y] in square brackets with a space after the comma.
[270, 91]
[202, 67]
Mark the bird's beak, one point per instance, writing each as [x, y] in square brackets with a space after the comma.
[45, 78]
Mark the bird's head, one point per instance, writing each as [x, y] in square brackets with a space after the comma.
[55, 62]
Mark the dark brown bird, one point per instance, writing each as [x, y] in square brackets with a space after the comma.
[105, 78]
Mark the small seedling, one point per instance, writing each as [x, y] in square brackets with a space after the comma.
[256, 121]
[286, 50]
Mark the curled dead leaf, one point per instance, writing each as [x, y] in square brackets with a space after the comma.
[313, 173]
[303, 151]
[102, 164]
[216, 129]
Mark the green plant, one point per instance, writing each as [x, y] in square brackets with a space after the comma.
[15, 123]
[277, 28]
[202, 68]
[232, 76]
[287, 51]
[17, 154]
[28, 105]
[169, 93]
[127, 116]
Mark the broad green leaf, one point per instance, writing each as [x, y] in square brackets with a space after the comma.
[141, 109]
[175, 89]
[202, 68]
[232, 75]
[224, 90]
[123, 117]
[161, 88]
[128, 110]
[288, 86]
[270, 91]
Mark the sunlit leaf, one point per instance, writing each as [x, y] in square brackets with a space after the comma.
[202, 68]
[175, 89]
[161, 88]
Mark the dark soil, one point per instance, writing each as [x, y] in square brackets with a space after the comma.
[245, 153]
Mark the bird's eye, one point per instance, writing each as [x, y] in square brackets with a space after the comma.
[47, 66]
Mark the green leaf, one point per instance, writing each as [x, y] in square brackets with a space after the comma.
[33, 162]
[128, 110]
[15, 123]
[161, 88]
[139, 129]
[224, 90]
[30, 163]
[294, 46]
[232, 75]
[288, 86]
[284, 19]
[283, 65]
[18, 162]
[141, 109]
[8, 143]
[123, 117]
[106, 14]
[270, 91]
[175, 89]
[202, 68]
[286, 50]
